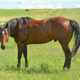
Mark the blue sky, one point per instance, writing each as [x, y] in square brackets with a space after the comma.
[38, 4]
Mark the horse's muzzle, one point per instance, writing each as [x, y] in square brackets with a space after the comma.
[3, 47]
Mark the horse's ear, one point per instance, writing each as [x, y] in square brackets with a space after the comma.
[4, 25]
[20, 23]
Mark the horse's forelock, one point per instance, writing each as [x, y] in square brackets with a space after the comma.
[4, 26]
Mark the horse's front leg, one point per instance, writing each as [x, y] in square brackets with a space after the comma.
[19, 55]
[25, 56]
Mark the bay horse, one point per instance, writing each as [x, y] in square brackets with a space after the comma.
[26, 30]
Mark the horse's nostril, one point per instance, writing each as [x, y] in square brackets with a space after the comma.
[3, 47]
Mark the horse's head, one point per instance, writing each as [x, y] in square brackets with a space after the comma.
[11, 28]
[6, 30]
[4, 36]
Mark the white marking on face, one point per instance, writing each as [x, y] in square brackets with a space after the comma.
[2, 32]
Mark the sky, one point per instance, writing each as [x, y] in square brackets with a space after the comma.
[38, 4]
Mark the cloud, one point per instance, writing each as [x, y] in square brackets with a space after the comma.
[68, 0]
[59, 5]
[36, 4]
[78, 6]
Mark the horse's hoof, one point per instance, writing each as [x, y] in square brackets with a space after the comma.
[18, 66]
[65, 69]
[26, 65]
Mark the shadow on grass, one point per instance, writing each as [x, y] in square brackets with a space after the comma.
[44, 68]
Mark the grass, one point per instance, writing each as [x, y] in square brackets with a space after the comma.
[45, 60]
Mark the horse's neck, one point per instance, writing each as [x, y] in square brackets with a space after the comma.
[10, 33]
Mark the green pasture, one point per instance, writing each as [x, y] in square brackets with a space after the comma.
[45, 60]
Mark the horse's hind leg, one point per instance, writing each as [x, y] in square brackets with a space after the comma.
[67, 52]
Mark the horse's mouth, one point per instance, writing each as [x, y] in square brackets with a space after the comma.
[3, 47]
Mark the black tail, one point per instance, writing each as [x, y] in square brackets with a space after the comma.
[76, 29]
